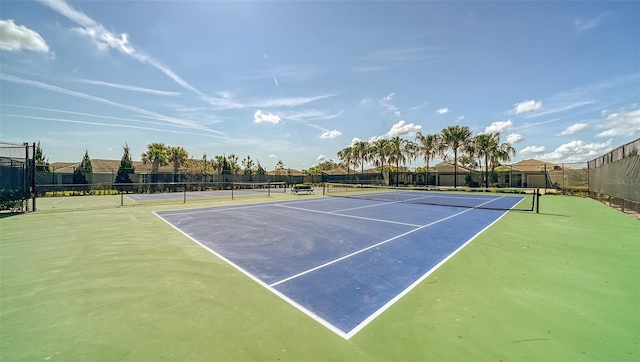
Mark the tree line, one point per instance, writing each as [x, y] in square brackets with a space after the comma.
[159, 154]
[384, 153]
[466, 148]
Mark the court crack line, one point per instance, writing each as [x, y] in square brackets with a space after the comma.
[374, 245]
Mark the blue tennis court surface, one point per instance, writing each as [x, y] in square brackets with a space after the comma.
[340, 261]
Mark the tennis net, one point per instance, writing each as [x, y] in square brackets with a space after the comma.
[465, 197]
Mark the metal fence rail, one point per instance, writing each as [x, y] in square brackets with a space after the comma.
[66, 197]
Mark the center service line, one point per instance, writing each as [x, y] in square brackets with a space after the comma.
[372, 246]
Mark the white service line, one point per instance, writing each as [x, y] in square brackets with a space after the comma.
[364, 207]
[224, 208]
[333, 213]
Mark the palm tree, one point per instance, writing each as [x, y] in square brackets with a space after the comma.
[177, 156]
[488, 146]
[503, 153]
[360, 151]
[218, 162]
[157, 154]
[233, 164]
[380, 152]
[483, 146]
[397, 152]
[454, 138]
[429, 147]
[248, 165]
[345, 155]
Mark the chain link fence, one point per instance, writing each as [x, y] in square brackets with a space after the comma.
[67, 197]
[17, 170]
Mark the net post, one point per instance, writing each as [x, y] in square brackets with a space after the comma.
[33, 174]
[537, 197]
[121, 198]
[184, 200]
[269, 189]
[232, 190]
[323, 189]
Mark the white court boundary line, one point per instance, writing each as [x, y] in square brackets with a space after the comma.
[391, 302]
[333, 213]
[295, 304]
[325, 323]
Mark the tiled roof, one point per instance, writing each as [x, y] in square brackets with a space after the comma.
[532, 164]
[447, 167]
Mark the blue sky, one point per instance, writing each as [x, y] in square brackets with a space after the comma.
[298, 81]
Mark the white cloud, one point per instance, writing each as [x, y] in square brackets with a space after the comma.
[402, 128]
[281, 102]
[530, 150]
[131, 88]
[18, 37]
[260, 117]
[309, 114]
[526, 107]
[331, 134]
[621, 123]
[324, 158]
[458, 119]
[575, 128]
[499, 127]
[141, 111]
[105, 39]
[389, 97]
[442, 110]
[514, 138]
[389, 107]
[581, 24]
[272, 156]
[109, 124]
[375, 138]
[365, 101]
[397, 113]
[355, 140]
[420, 106]
[577, 151]
[561, 108]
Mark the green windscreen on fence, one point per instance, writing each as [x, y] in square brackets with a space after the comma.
[620, 178]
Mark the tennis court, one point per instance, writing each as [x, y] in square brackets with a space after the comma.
[121, 284]
[342, 261]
